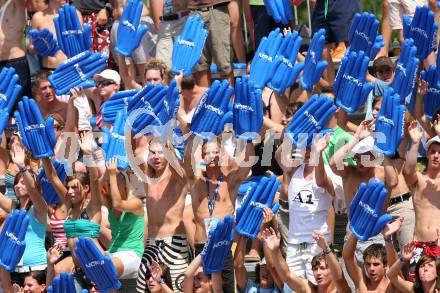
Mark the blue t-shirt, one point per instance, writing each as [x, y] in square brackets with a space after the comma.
[35, 251]
[251, 287]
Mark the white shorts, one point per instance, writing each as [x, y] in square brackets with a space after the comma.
[299, 259]
[131, 262]
[398, 8]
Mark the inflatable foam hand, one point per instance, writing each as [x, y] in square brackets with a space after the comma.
[314, 67]
[38, 135]
[264, 57]
[210, 114]
[115, 145]
[118, 102]
[366, 219]
[12, 242]
[310, 119]
[63, 284]
[76, 72]
[350, 87]
[188, 46]
[170, 104]
[280, 10]
[245, 191]
[432, 96]
[284, 71]
[422, 29]
[44, 42]
[248, 110]
[218, 245]
[363, 35]
[251, 218]
[390, 123]
[9, 92]
[130, 33]
[72, 38]
[49, 193]
[406, 70]
[144, 108]
[97, 267]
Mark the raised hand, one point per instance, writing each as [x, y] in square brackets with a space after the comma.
[350, 87]
[415, 132]
[431, 87]
[86, 143]
[130, 33]
[248, 109]
[314, 67]
[18, 155]
[280, 10]
[10, 90]
[271, 239]
[188, 46]
[49, 193]
[364, 129]
[366, 219]
[77, 72]
[118, 102]
[208, 119]
[44, 42]
[320, 143]
[310, 119]
[12, 242]
[251, 215]
[264, 57]
[284, 71]
[390, 122]
[112, 168]
[38, 136]
[392, 227]
[422, 29]
[408, 251]
[54, 253]
[406, 70]
[72, 38]
[114, 146]
[218, 246]
[319, 237]
[363, 35]
[97, 267]
[156, 271]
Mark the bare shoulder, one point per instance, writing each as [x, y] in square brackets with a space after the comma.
[38, 20]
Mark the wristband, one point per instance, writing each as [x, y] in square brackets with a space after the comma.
[327, 252]
[389, 240]
[22, 169]
[402, 260]
[161, 281]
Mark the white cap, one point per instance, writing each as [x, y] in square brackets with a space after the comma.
[364, 146]
[109, 74]
[435, 139]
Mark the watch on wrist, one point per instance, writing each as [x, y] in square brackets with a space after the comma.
[22, 169]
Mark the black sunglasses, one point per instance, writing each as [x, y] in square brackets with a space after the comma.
[104, 82]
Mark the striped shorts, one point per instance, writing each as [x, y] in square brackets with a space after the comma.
[173, 251]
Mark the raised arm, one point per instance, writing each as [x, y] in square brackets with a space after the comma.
[391, 176]
[53, 255]
[344, 123]
[419, 109]
[241, 274]
[187, 160]
[394, 273]
[51, 174]
[188, 282]
[409, 168]
[242, 162]
[322, 180]
[354, 271]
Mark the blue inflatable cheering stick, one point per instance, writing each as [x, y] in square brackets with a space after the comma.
[251, 215]
[97, 267]
[422, 29]
[38, 135]
[311, 118]
[171, 103]
[390, 122]
[72, 38]
[63, 284]
[117, 102]
[208, 120]
[44, 42]
[76, 72]
[188, 46]
[264, 57]
[49, 193]
[406, 70]
[280, 10]
[12, 237]
[432, 97]
[314, 67]
[218, 245]
[248, 110]
[130, 33]
[366, 219]
[9, 92]
[350, 87]
[284, 71]
[114, 147]
[363, 35]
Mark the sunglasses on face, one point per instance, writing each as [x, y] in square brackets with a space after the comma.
[102, 83]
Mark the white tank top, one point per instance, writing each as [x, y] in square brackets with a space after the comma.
[308, 208]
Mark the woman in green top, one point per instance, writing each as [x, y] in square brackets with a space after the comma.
[126, 217]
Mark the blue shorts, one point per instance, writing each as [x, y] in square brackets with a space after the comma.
[337, 24]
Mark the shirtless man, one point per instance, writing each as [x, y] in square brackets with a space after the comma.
[191, 94]
[165, 193]
[46, 98]
[424, 187]
[44, 19]
[214, 194]
[12, 24]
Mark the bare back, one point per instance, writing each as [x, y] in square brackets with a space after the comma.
[13, 20]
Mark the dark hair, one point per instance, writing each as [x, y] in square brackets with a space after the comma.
[317, 259]
[188, 83]
[83, 178]
[418, 286]
[376, 250]
[39, 276]
[166, 274]
[257, 273]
